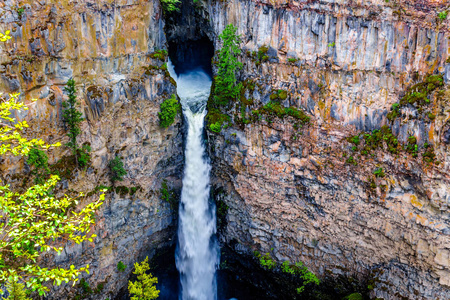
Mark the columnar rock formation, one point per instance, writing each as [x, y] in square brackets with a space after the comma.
[290, 190]
[105, 46]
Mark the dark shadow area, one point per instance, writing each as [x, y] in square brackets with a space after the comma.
[167, 274]
[189, 35]
[191, 55]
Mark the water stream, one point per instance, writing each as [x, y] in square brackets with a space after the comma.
[197, 252]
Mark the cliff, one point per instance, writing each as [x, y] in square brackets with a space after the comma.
[312, 193]
[308, 191]
[106, 46]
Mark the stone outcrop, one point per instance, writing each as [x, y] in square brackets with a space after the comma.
[105, 46]
[345, 63]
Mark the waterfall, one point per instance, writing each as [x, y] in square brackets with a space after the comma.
[197, 251]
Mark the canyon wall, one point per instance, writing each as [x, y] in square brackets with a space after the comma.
[106, 47]
[292, 190]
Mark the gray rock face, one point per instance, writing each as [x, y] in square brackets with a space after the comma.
[290, 189]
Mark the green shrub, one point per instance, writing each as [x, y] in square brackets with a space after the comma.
[121, 266]
[169, 110]
[39, 160]
[292, 60]
[116, 169]
[442, 15]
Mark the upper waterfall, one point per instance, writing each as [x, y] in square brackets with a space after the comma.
[197, 252]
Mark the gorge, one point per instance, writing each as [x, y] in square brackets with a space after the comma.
[335, 154]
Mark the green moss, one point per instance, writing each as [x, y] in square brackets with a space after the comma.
[259, 56]
[274, 109]
[278, 95]
[216, 119]
[159, 54]
[375, 140]
[418, 95]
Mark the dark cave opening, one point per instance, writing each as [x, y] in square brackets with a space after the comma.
[192, 54]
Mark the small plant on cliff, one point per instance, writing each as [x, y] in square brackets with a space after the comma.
[144, 288]
[20, 12]
[226, 87]
[306, 275]
[169, 110]
[72, 118]
[170, 5]
[443, 15]
[168, 195]
[379, 172]
[121, 266]
[39, 160]
[116, 169]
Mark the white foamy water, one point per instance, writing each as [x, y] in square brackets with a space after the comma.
[197, 252]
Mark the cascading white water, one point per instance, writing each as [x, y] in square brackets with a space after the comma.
[197, 252]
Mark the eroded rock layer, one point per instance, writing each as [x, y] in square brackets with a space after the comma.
[106, 47]
[293, 190]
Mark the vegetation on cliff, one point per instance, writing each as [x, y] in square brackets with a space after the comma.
[116, 169]
[226, 89]
[169, 110]
[144, 288]
[298, 270]
[73, 118]
[170, 5]
[32, 220]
